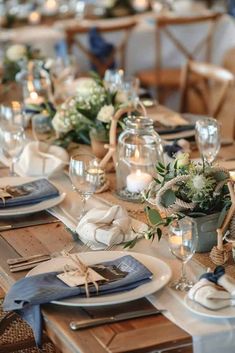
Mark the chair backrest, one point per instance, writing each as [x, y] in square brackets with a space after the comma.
[199, 39]
[207, 85]
[74, 37]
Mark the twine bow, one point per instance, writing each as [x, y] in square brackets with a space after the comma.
[82, 270]
[4, 194]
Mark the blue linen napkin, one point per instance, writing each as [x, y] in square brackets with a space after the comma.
[26, 295]
[100, 48]
[29, 193]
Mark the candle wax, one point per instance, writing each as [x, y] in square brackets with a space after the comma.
[138, 181]
[34, 98]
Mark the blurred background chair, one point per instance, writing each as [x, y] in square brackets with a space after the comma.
[112, 56]
[205, 90]
[174, 30]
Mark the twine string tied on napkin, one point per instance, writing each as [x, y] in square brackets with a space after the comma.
[5, 194]
[81, 269]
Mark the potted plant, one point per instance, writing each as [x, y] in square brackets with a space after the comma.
[186, 188]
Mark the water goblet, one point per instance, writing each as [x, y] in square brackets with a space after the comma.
[208, 138]
[42, 128]
[182, 240]
[84, 175]
[12, 143]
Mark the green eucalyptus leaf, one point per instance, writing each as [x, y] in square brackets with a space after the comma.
[153, 215]
[159, 233]
[168, 198]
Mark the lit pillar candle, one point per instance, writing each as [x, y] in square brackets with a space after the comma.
[34, 98]
[50, 7]
[232, 175]
[140, 5]
[138, 181]
[34, 18]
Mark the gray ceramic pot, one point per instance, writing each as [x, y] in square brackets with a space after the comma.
[207, 236]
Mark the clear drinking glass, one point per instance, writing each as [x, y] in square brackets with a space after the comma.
[84, 175]
[12, 143]
[208, 138]
[182, 240]
[42, 129]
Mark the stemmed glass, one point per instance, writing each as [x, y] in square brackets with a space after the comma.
[208, 138]
[12, 139]
[182, 240]
[42, 129]
[84, 175]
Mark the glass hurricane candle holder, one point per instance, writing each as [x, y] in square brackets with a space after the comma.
[139, 149]
[36, 83]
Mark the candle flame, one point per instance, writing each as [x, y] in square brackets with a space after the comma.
[34, 95]
[137, 154]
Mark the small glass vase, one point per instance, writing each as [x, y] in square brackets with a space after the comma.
[36, 82]
[98, 141]
[139, 150]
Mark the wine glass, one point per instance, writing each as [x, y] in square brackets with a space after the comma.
[42, 128]
[208, 138]
[182, 240]
[12, 143]
[84, 175]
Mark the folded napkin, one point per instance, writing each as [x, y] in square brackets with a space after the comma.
[26, 295]
[100, 48]
[39, 158]
[28, 193]
[105, 226]
[215, 290]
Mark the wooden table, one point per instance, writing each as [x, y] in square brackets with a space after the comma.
[147, 334]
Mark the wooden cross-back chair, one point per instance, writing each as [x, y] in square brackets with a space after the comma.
[206, 85]
[165, 79]
[74, 34]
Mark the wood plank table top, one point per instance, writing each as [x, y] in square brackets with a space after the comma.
[147, 334]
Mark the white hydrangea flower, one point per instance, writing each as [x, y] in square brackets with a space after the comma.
[85, 87]
[16, 52]
[62, 121]
[105, 114]
[199, 182]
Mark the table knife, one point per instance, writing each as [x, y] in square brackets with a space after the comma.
[25, 224]
[77, 325]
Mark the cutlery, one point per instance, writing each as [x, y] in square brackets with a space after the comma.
[77, 325]
[29, 262]
[25, 224]
[27, 259]
[26, 266]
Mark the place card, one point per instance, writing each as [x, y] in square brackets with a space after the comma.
[72, 279]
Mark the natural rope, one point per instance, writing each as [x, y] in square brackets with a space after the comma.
[180, 205]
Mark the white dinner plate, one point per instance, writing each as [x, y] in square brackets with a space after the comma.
[161, 275]
[225, 313]
[27, 209]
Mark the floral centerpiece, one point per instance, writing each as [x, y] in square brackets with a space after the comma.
[90, 110]
[186, 188]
